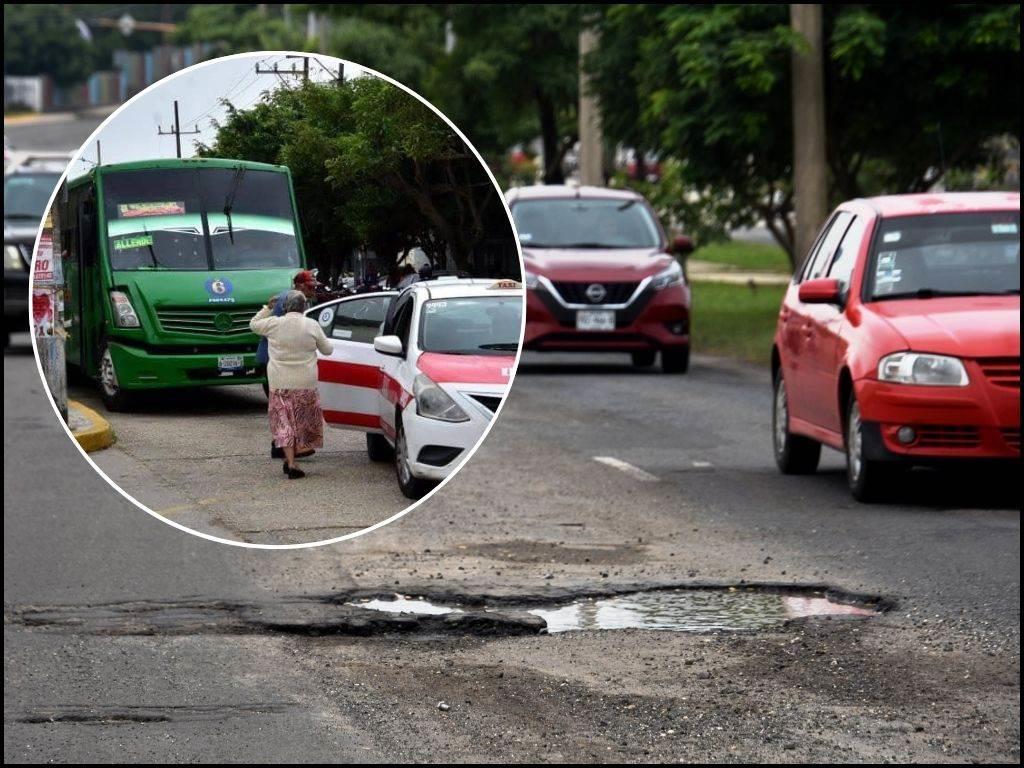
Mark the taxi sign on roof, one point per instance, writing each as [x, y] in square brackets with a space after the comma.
[505, 285]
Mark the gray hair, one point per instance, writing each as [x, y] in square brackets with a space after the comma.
[294, 301]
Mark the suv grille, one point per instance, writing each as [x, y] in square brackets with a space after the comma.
[1002, 371]
[948, 437]
[207, 322]
[615, 293]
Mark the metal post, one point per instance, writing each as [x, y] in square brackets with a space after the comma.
[48, 308]
[591, 143]
[177, 130]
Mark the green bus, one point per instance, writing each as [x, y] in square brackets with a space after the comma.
[165, 262]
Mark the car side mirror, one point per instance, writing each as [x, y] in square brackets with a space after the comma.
[388, 345]
[824, 290]
[682, 245]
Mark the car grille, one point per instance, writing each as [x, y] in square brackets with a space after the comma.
[206, 322]
[1002, 371]
[1012, 437]
[576, 293]
[489, 402]
[941, 436]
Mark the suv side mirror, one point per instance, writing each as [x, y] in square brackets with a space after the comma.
[388, 345]
[682, 245]
[823, 290]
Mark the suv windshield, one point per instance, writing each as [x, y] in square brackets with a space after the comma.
[585, 223]
[484, 325]
[26, 194]
[159, 219]
[954, 254]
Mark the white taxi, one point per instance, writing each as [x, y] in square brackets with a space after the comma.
[422, 371]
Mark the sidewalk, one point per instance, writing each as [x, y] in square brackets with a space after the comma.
[44, 118]
[712, 272]
[91, 430]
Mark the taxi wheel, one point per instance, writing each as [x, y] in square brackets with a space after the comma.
[675, 359]
[644, 358]
[378, 448]
[868, 480]
[412, 487]
[114, 398]
[794, 454]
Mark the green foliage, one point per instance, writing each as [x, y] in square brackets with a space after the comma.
[735, 320]
[372, 166]
[746, 256]
[43, 39]
[237, 28]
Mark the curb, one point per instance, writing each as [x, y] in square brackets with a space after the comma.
[98, 433]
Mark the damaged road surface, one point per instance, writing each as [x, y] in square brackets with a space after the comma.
[816, 629]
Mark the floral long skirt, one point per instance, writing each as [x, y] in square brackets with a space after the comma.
[296, 418]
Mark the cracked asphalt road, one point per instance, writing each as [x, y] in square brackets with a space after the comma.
[936, 678]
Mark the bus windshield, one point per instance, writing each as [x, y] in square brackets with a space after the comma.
[199, 219]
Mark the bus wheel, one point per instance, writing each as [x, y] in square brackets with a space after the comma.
[114, 398]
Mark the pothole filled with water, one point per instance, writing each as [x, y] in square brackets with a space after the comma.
[673, 610]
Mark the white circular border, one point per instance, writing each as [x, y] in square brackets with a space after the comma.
[210, 537]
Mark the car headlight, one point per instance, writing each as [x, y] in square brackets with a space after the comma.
[671, 275]
[124, 312]
[12, 258]
[434, 403]
[530, 280]
[919, 368]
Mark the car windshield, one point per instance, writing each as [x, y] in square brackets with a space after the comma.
[26, 194]
[954, 254]
[484, 325]
[158, 219]
[585, 223]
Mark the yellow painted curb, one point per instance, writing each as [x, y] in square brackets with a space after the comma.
[98, 435]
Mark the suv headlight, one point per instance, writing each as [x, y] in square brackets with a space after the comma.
[124, 312]
[671, 275]
[530, 280]
[919, 368]
[434, 403]
[12, 258]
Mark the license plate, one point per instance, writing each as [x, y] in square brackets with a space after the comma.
[595, 320]
[230, 363]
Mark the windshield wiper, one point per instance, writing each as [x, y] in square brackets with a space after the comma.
[935, 293]
[229, 201]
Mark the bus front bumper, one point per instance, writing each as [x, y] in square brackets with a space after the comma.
[138, 368]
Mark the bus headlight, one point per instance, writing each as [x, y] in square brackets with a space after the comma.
[918, 368]
[434, 403]
[124, 312]
[671, 275]
[12, 258]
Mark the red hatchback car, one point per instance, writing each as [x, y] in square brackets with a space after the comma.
[601, 275]
[898, 340]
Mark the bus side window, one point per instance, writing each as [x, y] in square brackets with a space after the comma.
[87, 231]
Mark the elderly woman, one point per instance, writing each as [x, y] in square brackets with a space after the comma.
[296, 421]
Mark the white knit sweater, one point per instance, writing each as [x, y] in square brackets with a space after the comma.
[293, 340]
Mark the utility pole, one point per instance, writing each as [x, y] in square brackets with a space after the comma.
[176, 131]
[591, 157]
[279, 72]
[810, 182]
[48, 305]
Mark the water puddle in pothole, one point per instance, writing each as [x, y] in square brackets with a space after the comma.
[674, 610]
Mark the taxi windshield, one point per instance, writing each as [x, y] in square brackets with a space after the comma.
[954, 254]
[478, 325]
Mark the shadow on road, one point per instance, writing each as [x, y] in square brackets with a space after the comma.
[200, 401]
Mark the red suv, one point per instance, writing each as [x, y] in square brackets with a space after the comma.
[898, 340]
[601, 275]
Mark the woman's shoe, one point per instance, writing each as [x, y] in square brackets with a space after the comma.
[284, 466]
[294, 473]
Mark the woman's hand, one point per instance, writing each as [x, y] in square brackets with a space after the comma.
[271, 302]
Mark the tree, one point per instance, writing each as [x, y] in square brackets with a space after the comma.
[235, 28]
[908, 96]
[373, 167]
[44, 40]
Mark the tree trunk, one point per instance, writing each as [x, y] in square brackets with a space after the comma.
[549, 139]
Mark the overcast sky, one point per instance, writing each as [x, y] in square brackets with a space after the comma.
[131, 134]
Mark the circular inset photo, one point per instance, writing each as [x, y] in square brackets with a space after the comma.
[277, 299]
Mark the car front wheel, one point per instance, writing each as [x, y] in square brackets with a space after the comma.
[794, 454]
[412, 487]
[675, 359]
[869, 480]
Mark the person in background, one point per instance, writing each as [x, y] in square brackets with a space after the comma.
[296, 419]
[305, 282]
[427, 271]
[409, 277]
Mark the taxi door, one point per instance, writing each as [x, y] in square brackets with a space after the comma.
[349, 378]
[397, 371]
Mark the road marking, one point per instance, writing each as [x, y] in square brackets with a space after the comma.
[629, 469]
[702, 464]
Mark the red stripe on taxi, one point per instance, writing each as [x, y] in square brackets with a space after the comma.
[352, 419]
[466, 369]
[353, 374]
